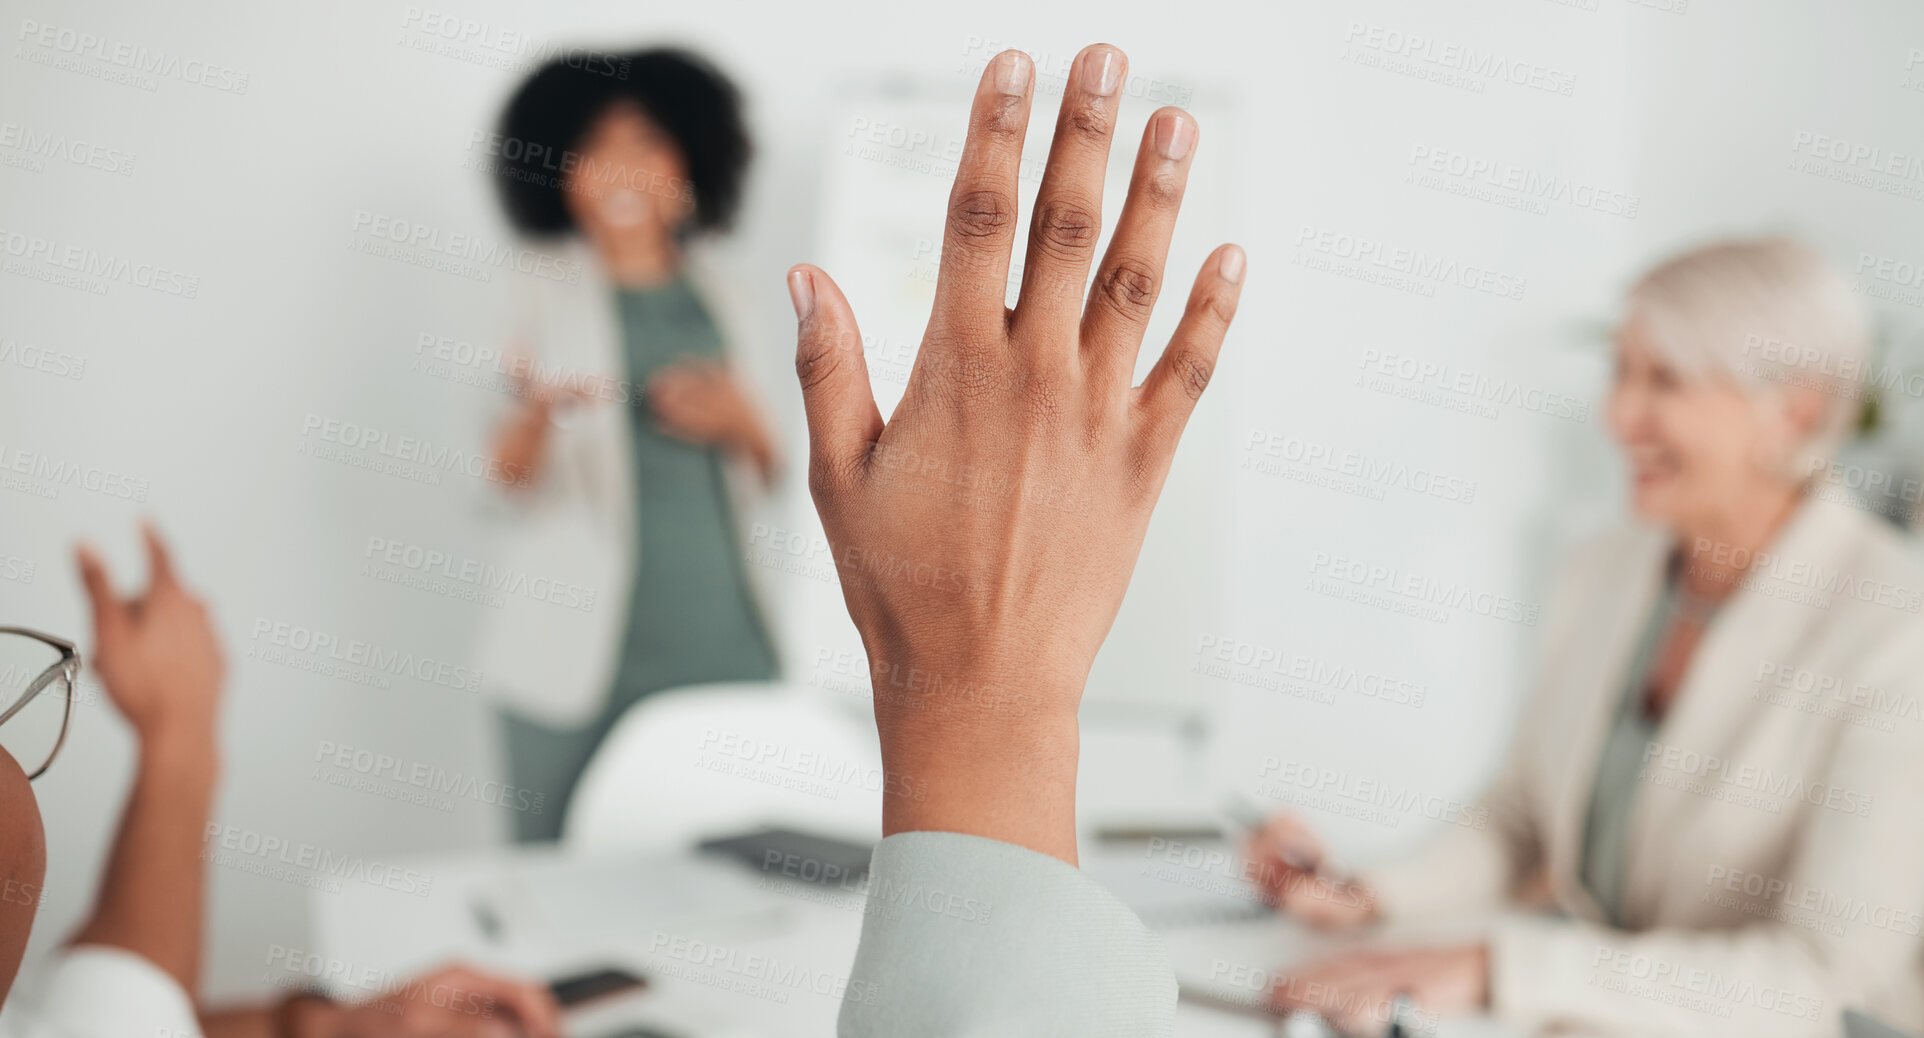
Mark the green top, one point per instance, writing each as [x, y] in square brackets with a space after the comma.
[692, 617]
[1606, 828]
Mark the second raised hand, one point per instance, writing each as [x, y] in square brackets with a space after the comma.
[986, 533]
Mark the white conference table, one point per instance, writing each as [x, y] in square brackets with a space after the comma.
[728, 953]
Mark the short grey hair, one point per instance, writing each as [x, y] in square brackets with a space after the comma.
[1772, 315]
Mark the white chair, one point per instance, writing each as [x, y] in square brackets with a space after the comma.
[691, 763]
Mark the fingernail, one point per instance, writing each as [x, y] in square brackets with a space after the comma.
[1231, 265]
[1175, 135]
[1102, 71]
[1012, 73]
[801, 290]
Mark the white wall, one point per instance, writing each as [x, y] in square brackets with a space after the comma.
[256, 194]
[1782, 123]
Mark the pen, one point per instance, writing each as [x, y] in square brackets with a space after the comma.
[1252, 820]
[1403, 1022]
[486, 918]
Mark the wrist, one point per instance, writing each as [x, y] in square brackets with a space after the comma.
[972, 753]
[180, 751]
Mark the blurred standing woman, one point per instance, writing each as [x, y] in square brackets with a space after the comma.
[1719, 779]
[632, 429]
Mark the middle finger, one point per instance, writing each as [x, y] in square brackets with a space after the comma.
[1068, 208]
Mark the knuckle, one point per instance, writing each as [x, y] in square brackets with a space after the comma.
[1145, 468]
[832, 474]
[973, 376]
[1216, 305]
[1089, 122]
[957, 367]
[1129, 287]
[1192, 371]
[817, 361]
[1161, 190]
[1003, 120]
[981, 215]
[1065, 227]
[823, 481]
[1043, 398]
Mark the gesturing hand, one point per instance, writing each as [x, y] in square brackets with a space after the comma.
[702, 402]
[156, 654]
[522, 441]
[985, 535]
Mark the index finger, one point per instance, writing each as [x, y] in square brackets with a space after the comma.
[160, 563]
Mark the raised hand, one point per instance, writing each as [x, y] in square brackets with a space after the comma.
[156, 653]
[160, 661]
[986, 533]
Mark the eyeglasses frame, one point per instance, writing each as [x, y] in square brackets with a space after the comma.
[68, 667]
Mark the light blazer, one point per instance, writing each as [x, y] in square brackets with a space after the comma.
[573, 534]
[1777, 839]
[967, 937]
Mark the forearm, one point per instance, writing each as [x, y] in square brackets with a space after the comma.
[151, 899]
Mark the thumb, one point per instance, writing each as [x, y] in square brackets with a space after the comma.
[842, 418]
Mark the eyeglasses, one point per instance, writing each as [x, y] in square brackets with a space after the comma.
[37, 676]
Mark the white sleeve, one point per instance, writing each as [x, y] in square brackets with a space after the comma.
[94, 991]
[966, 937]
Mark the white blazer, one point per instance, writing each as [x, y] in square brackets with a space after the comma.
[550, 655]
[1777, 870]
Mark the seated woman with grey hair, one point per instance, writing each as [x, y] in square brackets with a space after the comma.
[1718, 782]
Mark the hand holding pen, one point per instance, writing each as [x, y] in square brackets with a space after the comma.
[1288, 864]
